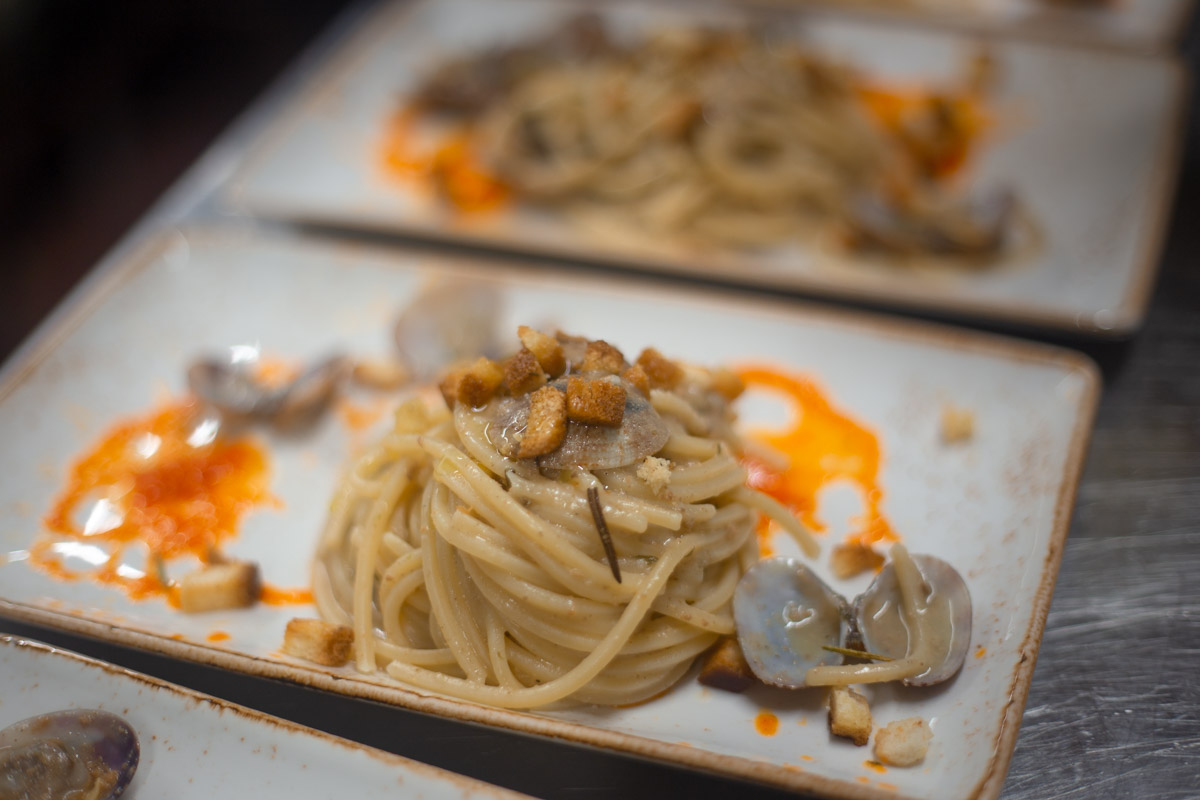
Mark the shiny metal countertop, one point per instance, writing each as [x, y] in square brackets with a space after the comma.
[1114, 709]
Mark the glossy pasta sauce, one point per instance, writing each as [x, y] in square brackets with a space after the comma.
[165, 483]
[822, 446]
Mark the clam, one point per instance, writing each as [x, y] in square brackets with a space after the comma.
[78, 753]
[232, 389]
[642, 433]
[975, 226]
[785, 616]
[947, 604]
[446, 323]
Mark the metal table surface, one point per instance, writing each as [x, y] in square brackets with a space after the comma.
[1114, 709]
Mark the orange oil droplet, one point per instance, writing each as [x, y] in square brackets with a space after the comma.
[218, 636]
[766, 723]
[876, 766]
[981, 652]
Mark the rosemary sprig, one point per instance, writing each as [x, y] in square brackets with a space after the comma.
[846, 651]
[593, 495]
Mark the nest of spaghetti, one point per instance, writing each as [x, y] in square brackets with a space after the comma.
[733, 138]
[568, 527]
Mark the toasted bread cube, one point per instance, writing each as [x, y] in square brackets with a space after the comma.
[474, 384]
[523, 374]
[234, 584]
[849, 715]
[957, 424]
[725, 667]
[655, 472]
[848, 560]
[545, 349]
[595, 402]
[380, 373]
[637, 376]
[318, 641]
[547, 425]
[662, 371]
[903, 743]
[727, 383]
[600, 356]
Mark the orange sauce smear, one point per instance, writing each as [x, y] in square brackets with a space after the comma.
[822, 446]
[171, 497]
[766, 723]
[875, 765]
[218, 636]
[451, 166]
[894, 107]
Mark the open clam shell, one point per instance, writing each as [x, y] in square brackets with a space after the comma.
[882, 627]
[784, 615]
[92, 753]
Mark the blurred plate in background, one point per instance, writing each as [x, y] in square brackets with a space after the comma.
[1085, 139]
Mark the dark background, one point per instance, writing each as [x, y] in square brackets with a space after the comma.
[102, 106]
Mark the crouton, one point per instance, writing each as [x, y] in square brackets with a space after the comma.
[523, 373]
[595, 402]
[602, 357]
[547, 425]
[848, 560]
[380, 373]
[727, 384]
[903, 743]
[725, 667]
[545, 349]
[318, 641]
[662, 371]
[957, 425]
[849, 715]
[637, 376]
[655, 472]
[234, 584]
[474, 384]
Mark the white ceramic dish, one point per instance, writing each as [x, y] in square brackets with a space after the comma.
[196, 747]
[997, 508]
[1133, 24]
[1088, 141]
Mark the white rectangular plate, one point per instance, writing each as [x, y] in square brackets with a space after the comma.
[1087, 140]
[997, 507]
[196, 747]
[1134, 24]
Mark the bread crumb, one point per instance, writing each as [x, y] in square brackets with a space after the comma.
[474, 384]
[849, 715]
[903, 743]
[318, 641]
[958, 425]
[655, 472]
[662, 371]
[384, 374]
[216, 587]
[595, 402]
[637, 376]
[547, 426]
[848, 560]
[523, 373]
[725, 667]
[602, 356]
[545, 349]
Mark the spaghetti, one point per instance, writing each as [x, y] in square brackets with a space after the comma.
[470, 570]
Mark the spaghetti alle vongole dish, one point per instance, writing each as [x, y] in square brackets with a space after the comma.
[571, 529]
[706, 137]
